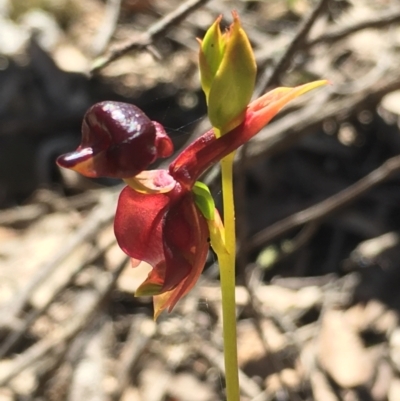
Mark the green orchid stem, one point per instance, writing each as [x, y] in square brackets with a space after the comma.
[227, 276]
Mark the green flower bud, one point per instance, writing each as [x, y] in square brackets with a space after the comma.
[228, 73]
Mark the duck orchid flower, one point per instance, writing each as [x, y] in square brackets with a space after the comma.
[165, 217]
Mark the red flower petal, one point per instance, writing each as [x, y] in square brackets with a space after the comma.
[167, 231]
[198, 257]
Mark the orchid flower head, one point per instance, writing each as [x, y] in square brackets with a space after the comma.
[227, 74]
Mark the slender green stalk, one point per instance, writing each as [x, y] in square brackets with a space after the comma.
[227, 275]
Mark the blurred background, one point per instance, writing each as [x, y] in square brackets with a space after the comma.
[317, 205]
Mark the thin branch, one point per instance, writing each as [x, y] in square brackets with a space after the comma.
[98, 218]
[104, 285]
[146, 38]
[328, 206]
[266, 81]
[297, 242]
[272, 79]
[29, 319]
[381, 21]
[279, 135]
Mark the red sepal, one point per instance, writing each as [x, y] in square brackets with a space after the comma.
[167, 231]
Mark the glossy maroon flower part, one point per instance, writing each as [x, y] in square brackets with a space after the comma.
[118, 141]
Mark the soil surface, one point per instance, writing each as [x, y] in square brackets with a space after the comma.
[317, 206]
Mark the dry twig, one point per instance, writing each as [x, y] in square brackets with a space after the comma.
[383, 20]
[146, 39]
[98, 218]
[323, 209]
[268, 79]
[273, 78]
[104, 284]
[20, 331]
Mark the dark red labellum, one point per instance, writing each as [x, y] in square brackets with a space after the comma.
[118, 140]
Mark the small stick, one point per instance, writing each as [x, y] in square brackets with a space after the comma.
[104, 284]
[146, 38]
[381, 21]
[329, 205]
[98, 218]
[28, 321]
[265, 81]
[280, 134]
[272, 79]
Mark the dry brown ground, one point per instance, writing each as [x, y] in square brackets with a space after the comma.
[318, 206]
